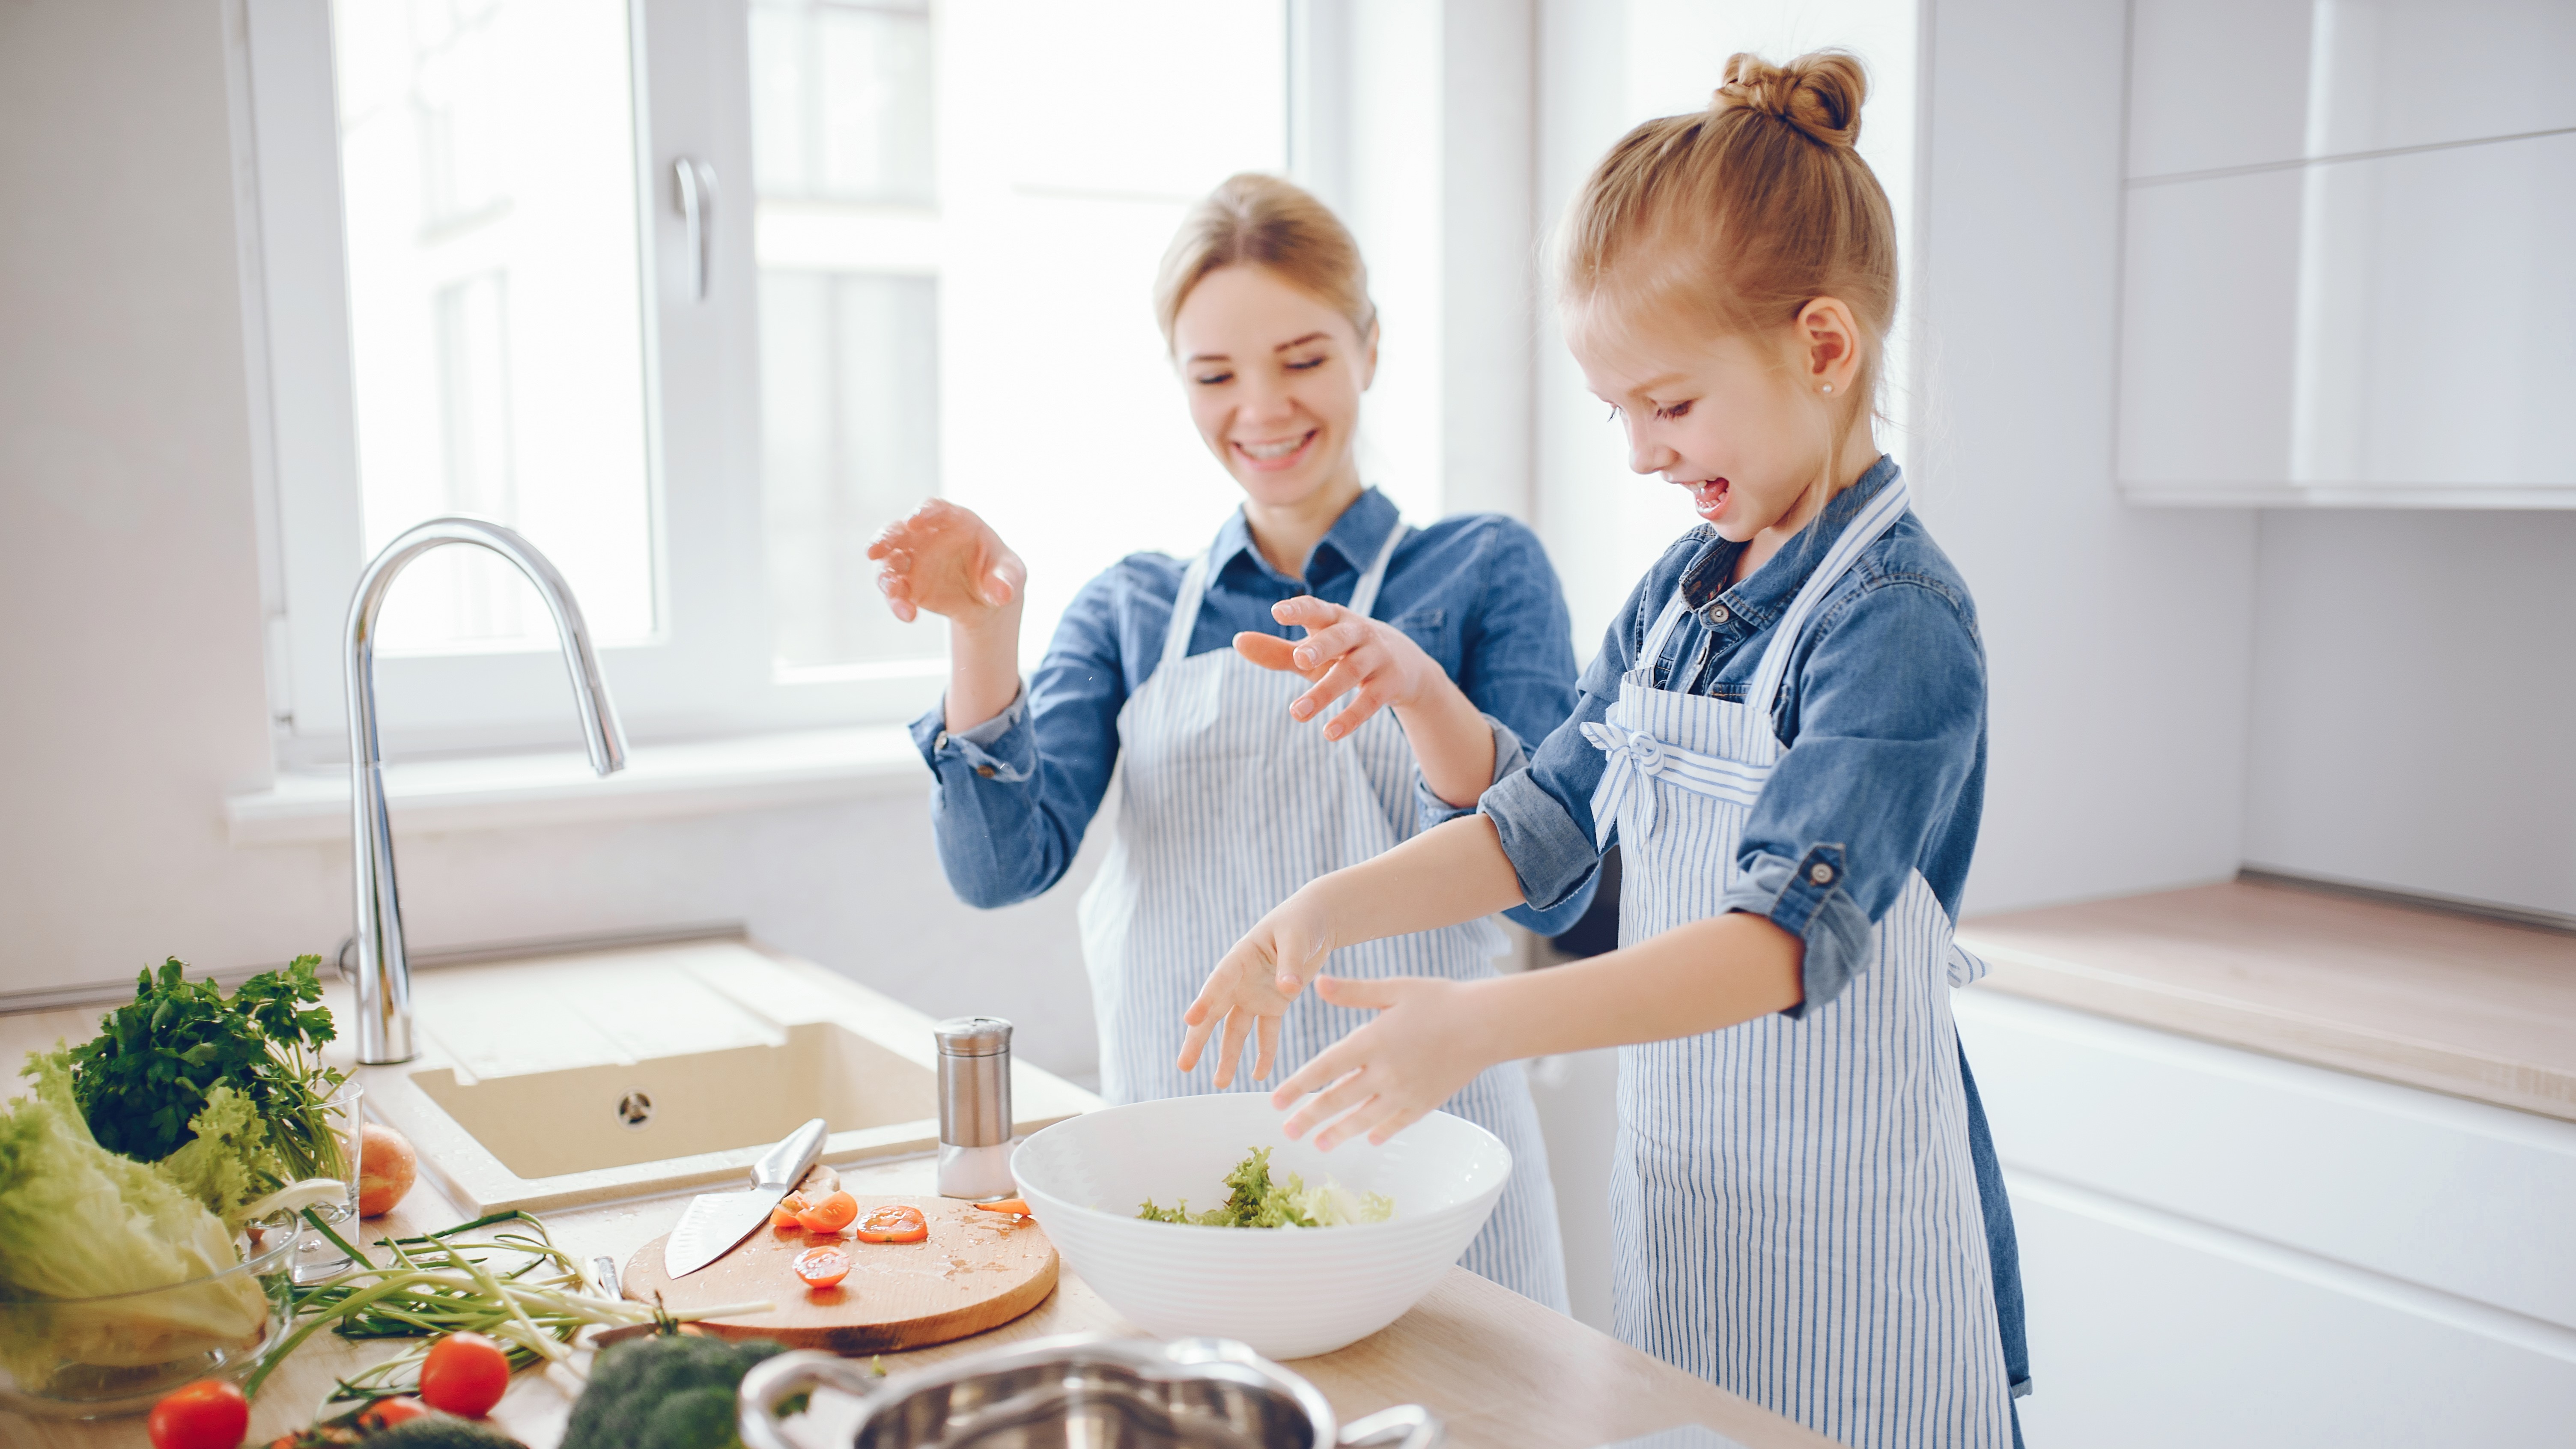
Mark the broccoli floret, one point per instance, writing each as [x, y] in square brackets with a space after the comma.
[669, 1391]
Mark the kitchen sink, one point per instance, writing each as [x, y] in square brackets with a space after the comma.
[566, 1080]
[582, 1119]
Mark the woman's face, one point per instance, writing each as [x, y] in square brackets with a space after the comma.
[1274, 377]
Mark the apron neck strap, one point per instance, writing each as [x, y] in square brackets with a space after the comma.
[1876, 517]
[1194, 581]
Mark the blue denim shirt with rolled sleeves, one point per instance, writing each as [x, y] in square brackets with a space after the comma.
[1882, 715]
[1016, 793]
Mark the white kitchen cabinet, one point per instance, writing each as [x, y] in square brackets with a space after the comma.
[2343, 255]
[2226, 1248]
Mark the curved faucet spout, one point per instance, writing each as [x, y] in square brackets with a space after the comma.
[383, 971]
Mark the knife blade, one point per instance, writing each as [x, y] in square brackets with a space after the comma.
[714, 1221]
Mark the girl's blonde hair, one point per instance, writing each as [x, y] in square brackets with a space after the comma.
[1737, 216]
[1267, 222]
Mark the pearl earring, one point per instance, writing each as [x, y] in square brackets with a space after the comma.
[1829, 387]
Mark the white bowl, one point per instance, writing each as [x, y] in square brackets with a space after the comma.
[1288, 1292]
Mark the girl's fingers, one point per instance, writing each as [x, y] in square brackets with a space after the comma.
[1237, 1022]
[1321, 1070]
[1352, 991]
[1007, 578]
[1194, 1041]
[1369, 1114]
[1352, 718]
[1267, 1030]
[1386, 1130]
[1353, 1089]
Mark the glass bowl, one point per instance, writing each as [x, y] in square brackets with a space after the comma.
[92, 1358]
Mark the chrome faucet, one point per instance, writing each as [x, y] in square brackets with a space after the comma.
[383, 971]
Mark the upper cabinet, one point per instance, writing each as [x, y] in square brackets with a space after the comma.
[2349, 271]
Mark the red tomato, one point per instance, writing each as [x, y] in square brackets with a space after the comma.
[894, 1223]
[829, 1215]
[208, 1414]
[385, 1413]
[465, 1374]
[784, 1215]
[822, 1267]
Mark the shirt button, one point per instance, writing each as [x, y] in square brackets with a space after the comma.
[1820, 873]
[940, 743]
[1717, 614]
[987, 772]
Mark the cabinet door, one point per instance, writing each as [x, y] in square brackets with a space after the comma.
[2224, 1248]
[2340, 255]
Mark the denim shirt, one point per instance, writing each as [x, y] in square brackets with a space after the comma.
[1882, 713]
[1016, 793]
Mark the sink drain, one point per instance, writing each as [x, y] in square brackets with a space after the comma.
[635, 1109]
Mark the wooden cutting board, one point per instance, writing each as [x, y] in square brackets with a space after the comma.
[977, 1270]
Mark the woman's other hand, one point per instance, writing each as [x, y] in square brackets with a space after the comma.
[1343, 651]
[1423, 1047]
[1250, 989]
[945, 559]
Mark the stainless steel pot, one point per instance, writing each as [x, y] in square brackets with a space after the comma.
[1082, 1391]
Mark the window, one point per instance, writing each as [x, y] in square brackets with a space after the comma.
[929, 259]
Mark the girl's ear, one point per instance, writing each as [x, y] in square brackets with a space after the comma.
[1368, 357]
[1829, 346]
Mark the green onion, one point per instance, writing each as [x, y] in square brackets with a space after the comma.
[511, 1285]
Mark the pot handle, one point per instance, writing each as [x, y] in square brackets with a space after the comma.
[1418, 1427]
[773, 1381]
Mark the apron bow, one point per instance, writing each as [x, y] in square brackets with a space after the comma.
[1631, 759]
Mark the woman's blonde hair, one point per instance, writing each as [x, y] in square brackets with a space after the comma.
[1271, 223]
[1737, 216]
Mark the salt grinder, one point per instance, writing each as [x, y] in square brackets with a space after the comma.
[975, 1107]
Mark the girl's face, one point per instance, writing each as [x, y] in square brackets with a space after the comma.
[1739, 420]
[1274, 377]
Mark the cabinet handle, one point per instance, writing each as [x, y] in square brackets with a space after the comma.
[695, 182]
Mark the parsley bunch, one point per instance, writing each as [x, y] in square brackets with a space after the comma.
[147, 1075]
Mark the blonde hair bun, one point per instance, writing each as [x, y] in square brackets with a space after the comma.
[1818, 95]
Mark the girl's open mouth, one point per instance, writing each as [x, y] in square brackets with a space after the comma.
[1708, 497]
[1273, 456]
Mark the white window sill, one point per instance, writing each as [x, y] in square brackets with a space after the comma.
[751, 772]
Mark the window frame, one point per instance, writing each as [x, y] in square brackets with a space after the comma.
[708, 670]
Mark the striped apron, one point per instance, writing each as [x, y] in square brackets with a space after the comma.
[1794, 1212]
[1226, 807]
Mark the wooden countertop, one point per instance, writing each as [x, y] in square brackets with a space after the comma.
[2477, 1008]
[1500, 1370]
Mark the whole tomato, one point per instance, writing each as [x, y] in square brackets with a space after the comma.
[465, 1374]
[208, 1414]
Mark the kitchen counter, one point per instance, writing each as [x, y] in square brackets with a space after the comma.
[1501, 1370]
[2474, 1007]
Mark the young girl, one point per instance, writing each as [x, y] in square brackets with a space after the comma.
[1785, 733]
[1451, 640]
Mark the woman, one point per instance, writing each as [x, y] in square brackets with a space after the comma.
[1241, 785]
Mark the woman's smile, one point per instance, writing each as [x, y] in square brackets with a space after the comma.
[1276, 454]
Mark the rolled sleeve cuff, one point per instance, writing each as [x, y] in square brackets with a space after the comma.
[1548, 850]
[1805, 898]
[1510, 757]
[1003, 748]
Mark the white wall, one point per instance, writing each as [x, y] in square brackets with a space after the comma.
[2413, 687]
[133, 700]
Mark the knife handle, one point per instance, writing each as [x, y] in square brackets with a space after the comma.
[786, 1164]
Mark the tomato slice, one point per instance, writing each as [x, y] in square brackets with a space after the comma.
[822, 1267]
[788, 1210]
[1016, 1207]
[894, 1223]
[385, 1413]
[829, 1215]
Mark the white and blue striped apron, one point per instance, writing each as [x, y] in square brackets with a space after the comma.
[1794, 1213]
[1226, 807]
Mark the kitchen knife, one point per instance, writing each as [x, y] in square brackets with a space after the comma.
[715, 1221]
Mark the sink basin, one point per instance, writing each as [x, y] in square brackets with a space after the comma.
[565, 1080]
[582, 1119]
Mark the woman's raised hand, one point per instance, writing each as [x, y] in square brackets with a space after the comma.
[1343, 651]
[1250, 989]
[949, 561]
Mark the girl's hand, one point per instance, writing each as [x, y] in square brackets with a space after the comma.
[1250, 989]
[1425, 1045]
[1343, 651]
[946, 560]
